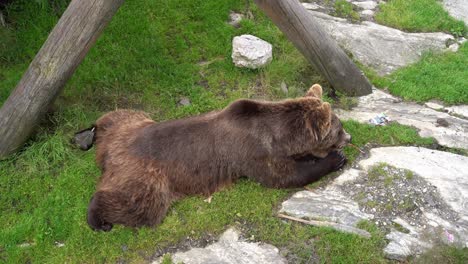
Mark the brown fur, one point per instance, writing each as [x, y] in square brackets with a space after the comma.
[148, 165]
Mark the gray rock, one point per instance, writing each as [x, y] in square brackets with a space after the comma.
[457, 9]
[456, 110]
[328, 205]
[449, 174]
[235, 19]
[284, 87]
[444, 178]
[447, 171]
[411, 114]
[311, 6]
[230, 249]
[184, 101]
[403, 245]
[365, 4]
[460, 110]
[382, 48]
[435, 106]
[367, 14]
[251, 52]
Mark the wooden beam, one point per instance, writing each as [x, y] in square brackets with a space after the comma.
[68, 43]
[316, 45]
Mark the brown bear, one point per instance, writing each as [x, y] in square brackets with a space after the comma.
[147, 165]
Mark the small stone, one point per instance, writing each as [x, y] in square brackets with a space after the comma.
[366, 4]
[434, 106]
[442, 122]
[235, 19]
[251, 52]
[184, 101]
[59, 244]
[284, 87]
[84, 139]
[310, 6]
[367, 14]
[124, 248]
[459, 110]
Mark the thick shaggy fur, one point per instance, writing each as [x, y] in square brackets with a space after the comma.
[148, 165]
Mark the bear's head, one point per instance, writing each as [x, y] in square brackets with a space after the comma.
[326, 129]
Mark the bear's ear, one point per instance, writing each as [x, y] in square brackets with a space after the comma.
[315, 91]
[319, 121]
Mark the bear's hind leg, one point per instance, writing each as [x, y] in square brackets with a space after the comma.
[140, 208]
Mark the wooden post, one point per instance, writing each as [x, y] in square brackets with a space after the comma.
[316, 45]
[68, 43]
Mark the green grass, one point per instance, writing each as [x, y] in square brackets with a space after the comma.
[436, 76]
[152, 53]
[419, 16]
[346, 10]
[440, 76]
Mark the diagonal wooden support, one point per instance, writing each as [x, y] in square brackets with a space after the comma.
[316, 45]
[68, 43]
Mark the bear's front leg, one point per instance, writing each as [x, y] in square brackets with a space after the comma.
[308, 172]
[293, 173]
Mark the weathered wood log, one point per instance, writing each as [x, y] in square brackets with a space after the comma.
[68, 43]
[316, 45]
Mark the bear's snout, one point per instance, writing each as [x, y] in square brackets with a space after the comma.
[95, 220]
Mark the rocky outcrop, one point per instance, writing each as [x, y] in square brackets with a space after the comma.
[453, 133]
[379, 47]
[416, 195]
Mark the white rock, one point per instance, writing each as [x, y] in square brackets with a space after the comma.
[367, 13]
[310, 6]
[382, 48]
[251, 52]
[229, 250]
[329, 205]
[447, 172]
[404, 245]
[365, 4]
[434, 106]
[457, 8]
[411, 114]
[461, 110]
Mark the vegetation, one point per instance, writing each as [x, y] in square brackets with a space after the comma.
[436, 76]
[346, 10]
[152, 53]
[419, 16]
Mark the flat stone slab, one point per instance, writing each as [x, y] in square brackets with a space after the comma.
[382, 48]
[438, 200]
[457, 9]
[328, 205]
[425, 119]
[230, 249]
[445, 170]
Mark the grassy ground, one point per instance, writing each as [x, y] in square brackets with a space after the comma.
[437, 76]
[152, 53]
[419, 16]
